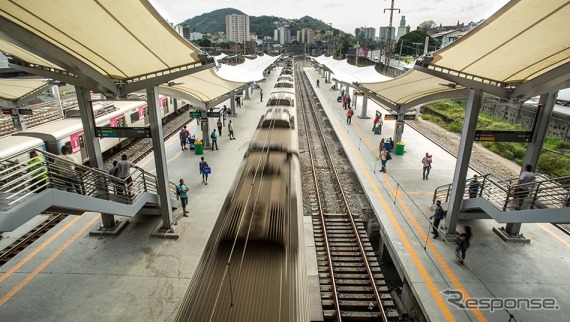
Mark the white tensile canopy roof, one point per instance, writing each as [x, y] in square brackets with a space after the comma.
[250, 71]
[347, 73]
[14, 89]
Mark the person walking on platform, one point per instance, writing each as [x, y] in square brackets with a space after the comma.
[525, 179]
[124, 171]
[349, 114]
[203, 165]
[473, 187]
[214, 138]
[318, 83]
[261, 95]
[463, 242]
[231, 130]
[220, 126]
[182, 192]
[426, 162]
[376, 119]
[66, 168]
[183, 138]
[38, 172]
[437, 216]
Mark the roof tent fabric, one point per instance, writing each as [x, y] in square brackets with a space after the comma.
[410, 86]
[347, 73]
[250, 71]
[521, 41]
[204, 86]
[25, 55]
[13, 89]
[120, 39]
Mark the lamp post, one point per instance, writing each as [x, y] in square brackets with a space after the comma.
[330, 38]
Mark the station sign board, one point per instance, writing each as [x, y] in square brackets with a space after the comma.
[390, 117]
[122, 132]
[204, 124]
[195, 114]
[503, 136]
[214, 114]
[25, 111]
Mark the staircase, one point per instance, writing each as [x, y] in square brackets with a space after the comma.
[548, 200]
[39, 184]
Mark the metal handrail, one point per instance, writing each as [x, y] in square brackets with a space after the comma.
[24, 179]
[544, 192]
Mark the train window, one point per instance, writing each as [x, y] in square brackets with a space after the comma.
[134, 117]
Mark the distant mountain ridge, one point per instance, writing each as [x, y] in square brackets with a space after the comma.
[215, 21]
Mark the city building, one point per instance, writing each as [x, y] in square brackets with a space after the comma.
[282, 35]
[237, 28]
[365, 33]
[402, 29]
[306, 36]
[385, 31]
[184, 30]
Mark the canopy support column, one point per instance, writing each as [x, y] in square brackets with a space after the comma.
[543, 115]
[247, 93]
[90, 140]
[364, 113]
[57, 97]
[233, 105]
[159, 152]
[463, 157]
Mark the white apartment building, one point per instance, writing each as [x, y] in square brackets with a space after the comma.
[237, 28]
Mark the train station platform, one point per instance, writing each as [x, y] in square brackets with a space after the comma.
[68, 275]
[495, 272]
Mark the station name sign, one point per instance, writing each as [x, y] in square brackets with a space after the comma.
[122, 132]
[503, 136]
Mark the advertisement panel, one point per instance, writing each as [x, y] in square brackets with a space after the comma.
[76, 140]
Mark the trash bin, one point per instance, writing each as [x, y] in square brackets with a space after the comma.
[191, 143]
[198, 147]
[399, 148]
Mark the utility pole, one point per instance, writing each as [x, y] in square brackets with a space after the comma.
[330, 37]
[388, 51]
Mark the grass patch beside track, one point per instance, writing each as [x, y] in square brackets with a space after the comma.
[554, 159]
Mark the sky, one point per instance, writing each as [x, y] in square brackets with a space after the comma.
[344, 15]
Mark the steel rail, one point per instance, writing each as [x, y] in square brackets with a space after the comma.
[345, 202]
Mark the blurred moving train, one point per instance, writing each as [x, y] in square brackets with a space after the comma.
[254, 266]
[69, 131]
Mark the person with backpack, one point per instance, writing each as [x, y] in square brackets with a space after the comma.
[214, 138]
[349, 114]
[182, 193]
[204, 170]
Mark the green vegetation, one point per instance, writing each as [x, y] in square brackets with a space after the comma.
[554, 160]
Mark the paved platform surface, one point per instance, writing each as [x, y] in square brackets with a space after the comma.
[69, 276]
[402, 201]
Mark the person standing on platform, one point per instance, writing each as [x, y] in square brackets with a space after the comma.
[426, 162]
[376, 118]
[183, 138]
[473, 187]
[384, 158]
[182, 190]
[224, 114]
[231, 130]
[220, 126]
[381, 147]
[214, 138]
[203, 164]
[318, 83]
[261, 95]
[437, 216]
[522, 192]
[66, 168]
[38, 172]
[463, 242]
[349, 114]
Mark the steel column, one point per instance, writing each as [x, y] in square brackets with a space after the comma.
[463, 157]
[159, 152]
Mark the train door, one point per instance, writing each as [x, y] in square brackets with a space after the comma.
[77, 142]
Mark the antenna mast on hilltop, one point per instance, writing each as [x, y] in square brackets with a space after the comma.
[388, 51]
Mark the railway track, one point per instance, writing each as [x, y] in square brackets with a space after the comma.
[351, 281]
[27, 239]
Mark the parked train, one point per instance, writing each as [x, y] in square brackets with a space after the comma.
[254, 268]
[69, 131]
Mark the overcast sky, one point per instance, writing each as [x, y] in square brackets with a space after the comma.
[344, 15]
